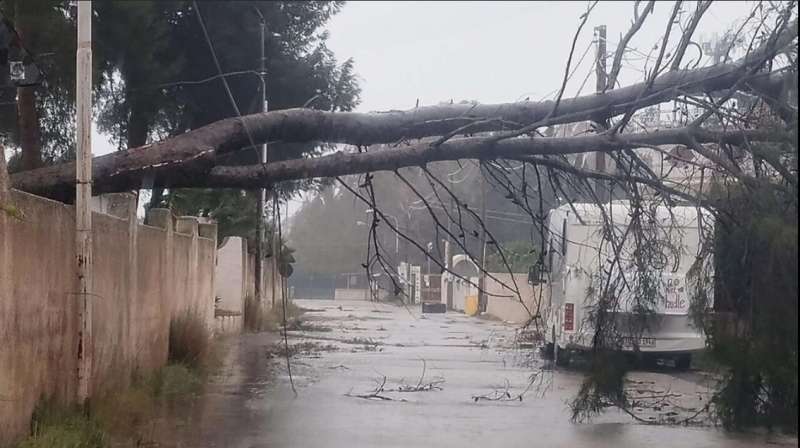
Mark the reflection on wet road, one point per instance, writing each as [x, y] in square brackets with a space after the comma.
[357, 368]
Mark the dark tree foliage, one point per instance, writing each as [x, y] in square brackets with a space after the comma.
[47, 30]
[135, 53]
[165, 82]
[301, 70]
[755, 332]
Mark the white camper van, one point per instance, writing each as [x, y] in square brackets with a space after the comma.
[577, 251]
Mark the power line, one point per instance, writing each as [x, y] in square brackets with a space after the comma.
[196, 82]
[220, 73]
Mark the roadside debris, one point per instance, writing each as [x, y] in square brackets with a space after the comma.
[421, 386]
[308, 348]
[538, 381]
[376, 393]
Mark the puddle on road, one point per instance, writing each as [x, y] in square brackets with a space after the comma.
[251, 405]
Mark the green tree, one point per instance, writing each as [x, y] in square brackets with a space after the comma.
[301, 70]
[134, 55]
[755, 331]
[519, 254]
[37, 120]
[165, 82]
[327, 236]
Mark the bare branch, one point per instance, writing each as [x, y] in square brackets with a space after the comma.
[623, 43]
[686, 39]
[584, 18]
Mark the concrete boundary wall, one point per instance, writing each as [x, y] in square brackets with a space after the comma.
[235, 282]
[504, 304]
[144, 275]
[230, 288]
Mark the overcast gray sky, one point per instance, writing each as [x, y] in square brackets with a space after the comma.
[489, 51]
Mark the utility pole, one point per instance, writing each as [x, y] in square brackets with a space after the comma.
[447, 261]
[276, 244]
[83, 197]
[262, 193]
[482, 277]
[602, 80]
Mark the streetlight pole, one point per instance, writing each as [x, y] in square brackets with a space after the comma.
[602, 78]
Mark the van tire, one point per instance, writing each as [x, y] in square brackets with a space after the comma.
[562, 356]
[549, 347]
[683, 362]
[548, 351]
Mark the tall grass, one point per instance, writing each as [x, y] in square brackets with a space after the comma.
[127, 416]
[262, 317]
[57, 426]
[189, 341]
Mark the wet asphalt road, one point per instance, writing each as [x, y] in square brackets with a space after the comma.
[349, 347]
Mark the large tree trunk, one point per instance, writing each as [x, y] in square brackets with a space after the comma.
[27, 115]
[138, 125]
[342, 163]
[28, 128]
[137, 132]
[345, 163]
[180, 160]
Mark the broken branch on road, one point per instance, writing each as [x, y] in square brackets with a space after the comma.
[380, 389]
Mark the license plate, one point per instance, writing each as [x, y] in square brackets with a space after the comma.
[641, 342]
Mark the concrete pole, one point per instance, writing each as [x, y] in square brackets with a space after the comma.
[276, 244]
[262, 194]
[602, 80]
[482, 278]
[447, 241]
[83, 197]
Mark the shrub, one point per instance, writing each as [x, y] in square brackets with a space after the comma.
[253, 316]
[56, 426]
[258, 318]
[189, 341]
[125, 414]
[175, 381]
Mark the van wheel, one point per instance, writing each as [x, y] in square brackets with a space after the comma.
[562, 356]
[683, 362]
[549, 348]
[548, 352]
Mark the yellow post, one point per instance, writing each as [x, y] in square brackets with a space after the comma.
[471, 306]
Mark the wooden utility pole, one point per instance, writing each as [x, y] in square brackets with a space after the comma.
[83, 197]
[602, 80]
[262, 193]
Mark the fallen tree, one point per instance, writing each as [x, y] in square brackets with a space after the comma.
[345, 163]
[184, 160]
[743, 135]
